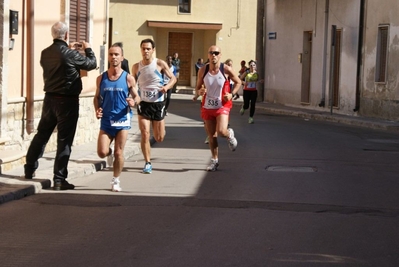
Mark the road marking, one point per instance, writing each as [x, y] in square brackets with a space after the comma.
[291, 169]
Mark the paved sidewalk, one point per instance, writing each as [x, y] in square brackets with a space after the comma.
[84, 160]
[325, 115]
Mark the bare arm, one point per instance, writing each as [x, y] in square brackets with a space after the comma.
[135, 99]
[242, 77]
[200, 88]
[233, 76]
[135, 70]
[96, 99]
[166, 70]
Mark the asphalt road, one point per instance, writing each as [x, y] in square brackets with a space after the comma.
[296, 192]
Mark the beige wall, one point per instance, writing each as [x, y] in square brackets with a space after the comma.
[290, 19]
[381, 100]
[283, 77]
[16, 62]
[42, 39]
[345, 14]
[130, 27]
[14, 74]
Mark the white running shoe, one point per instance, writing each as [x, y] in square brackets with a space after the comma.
[213, 166]
[232, 141]
[116, 185]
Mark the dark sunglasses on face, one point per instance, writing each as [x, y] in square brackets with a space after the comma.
[216, 53]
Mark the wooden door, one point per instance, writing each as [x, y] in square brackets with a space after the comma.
[306, 67]
[337, 67]
[181, 42]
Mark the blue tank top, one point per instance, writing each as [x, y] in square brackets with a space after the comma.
[113, 100]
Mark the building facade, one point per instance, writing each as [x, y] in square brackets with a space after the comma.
[188, 27]
[25, 32]
[380, 71]
[337, 55]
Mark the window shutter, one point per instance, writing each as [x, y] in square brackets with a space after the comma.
[382, 54]
[79, 20]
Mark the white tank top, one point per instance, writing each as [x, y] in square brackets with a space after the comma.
[214, 85]
[150, 81]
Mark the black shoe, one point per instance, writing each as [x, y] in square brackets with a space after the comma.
[29, 176]
[62, 184]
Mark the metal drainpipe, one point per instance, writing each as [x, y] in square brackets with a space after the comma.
[260, 33]
[30, 68]
[323, 85]
[360, 55]
[105, 40]
[238, 18]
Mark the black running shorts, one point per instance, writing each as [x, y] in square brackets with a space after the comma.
[154, 111]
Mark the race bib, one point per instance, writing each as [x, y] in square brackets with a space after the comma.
[251, 85]
[121, 123]
[212, 102]
[151, 95]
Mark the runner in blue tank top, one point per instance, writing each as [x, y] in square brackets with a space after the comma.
[115, 95]
[116, 111]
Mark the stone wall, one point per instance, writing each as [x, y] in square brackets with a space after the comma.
[19, 140]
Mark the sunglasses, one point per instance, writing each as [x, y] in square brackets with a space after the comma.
[216, 53]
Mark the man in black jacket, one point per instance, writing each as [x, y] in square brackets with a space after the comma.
[61, 65]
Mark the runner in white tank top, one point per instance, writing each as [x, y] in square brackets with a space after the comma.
[151, 110]
[213, 112]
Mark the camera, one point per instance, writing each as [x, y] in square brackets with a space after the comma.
[78, 45]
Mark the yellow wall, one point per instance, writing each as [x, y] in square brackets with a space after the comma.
[130, 27]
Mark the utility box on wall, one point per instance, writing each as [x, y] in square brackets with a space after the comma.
[13, 22]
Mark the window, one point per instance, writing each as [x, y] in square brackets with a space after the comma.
[382, 54]
[79, 15]
[185, 6]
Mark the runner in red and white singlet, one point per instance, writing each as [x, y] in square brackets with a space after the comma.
[216, 102]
